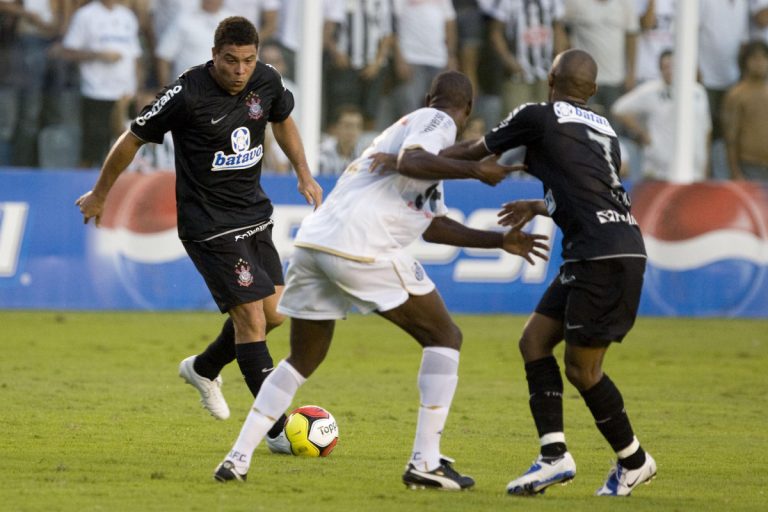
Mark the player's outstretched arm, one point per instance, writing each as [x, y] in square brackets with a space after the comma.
[516, 214]
[444, 230]
[420, 164]
[288, 138]
[467, 150]
[120, 156]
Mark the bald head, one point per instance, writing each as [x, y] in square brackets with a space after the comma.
[573, 75]
[450, 89]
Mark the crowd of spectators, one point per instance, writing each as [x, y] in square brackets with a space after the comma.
[74, 72]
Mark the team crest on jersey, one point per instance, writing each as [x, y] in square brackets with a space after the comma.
[243, 157]
[243, 271]
[255, 111]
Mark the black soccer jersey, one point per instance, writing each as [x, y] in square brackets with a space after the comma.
[218, 143]
[575, 153]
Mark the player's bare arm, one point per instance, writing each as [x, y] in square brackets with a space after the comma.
[444, 230]
[516, 214]
[120, 156]
[467, 150]
[420, 164]
[287, 137]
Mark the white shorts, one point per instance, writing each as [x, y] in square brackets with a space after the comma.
[323, 286]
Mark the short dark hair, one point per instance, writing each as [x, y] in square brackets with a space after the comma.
[452, 88]
[237, 31]
[748, 50]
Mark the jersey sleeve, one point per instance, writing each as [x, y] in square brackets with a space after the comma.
[521, 127]
[284, 102]
[431, 130]
[75, 37]
[166, 112]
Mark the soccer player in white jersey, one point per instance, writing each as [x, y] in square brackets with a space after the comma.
[350, 253]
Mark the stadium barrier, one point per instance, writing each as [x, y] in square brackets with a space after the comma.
[707, 243]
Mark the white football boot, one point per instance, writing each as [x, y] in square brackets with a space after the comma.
[622, 481]
[279, 444]
[210, 390]
[544, 472]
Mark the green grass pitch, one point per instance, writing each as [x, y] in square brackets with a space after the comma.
[93, 417]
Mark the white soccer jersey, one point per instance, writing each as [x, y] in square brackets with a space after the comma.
[369, 216]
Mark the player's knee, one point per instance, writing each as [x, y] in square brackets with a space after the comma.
[581, 377]
[453, 338]
[305, 365]
[524, 345]
[274, 320]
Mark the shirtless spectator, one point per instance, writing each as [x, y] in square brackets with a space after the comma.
[745, 110]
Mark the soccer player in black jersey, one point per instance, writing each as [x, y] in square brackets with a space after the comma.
[594, 299]
[217, 113]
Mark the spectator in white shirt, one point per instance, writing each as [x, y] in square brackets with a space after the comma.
[607, 29]
[657, 33]
[187, 41]
[103, 38]
[262, 13]
[647, 112]
[723, 29]
[426, 44]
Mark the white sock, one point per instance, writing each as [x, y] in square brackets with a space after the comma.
[438, 376]
[275, 396]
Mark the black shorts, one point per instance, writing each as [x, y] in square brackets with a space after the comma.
[596, 300]
[239, 267]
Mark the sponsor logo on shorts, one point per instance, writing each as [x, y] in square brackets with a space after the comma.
[243, 271]
[252, 231]
[418, 271]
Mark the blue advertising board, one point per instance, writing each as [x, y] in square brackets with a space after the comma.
[699, 265]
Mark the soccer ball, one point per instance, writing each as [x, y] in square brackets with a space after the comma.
[312, 431]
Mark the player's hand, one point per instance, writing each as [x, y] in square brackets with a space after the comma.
[516, 214]
[91, 206]
[491, 172]
[383, 163]
[525, 245]
[312, 191]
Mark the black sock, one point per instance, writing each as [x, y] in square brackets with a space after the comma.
[545, 385]
[219, 353]
[256, 364]
[607, 406]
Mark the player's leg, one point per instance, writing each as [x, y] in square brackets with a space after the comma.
[426, 318]
[310, 340]
[542, 332]
[253, 320]
[605, 402]
[221, 351]
[204, 369]
[604, 307]
[309, 293]
[242, 274]
[254, 358]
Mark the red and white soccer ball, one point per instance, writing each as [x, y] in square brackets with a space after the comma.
[312, 431]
